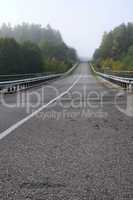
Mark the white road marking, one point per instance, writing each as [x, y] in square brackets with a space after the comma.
[21, 122]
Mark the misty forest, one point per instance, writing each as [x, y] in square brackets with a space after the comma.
[116, 50]
[30, 48]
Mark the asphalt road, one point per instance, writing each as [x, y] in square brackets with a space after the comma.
[78, 147]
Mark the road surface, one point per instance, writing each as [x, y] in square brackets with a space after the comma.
[75, 144]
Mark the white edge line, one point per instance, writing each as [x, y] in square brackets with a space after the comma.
[21, 122]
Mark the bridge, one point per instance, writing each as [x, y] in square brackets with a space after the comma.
[67, 138]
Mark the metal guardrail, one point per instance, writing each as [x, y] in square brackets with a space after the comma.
[14, 77]
[22, 84]
[71, 70]
[126, 83]
[18, 85]
[124, 74]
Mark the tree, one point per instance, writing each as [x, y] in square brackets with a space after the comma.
[58, 54]
[117, 47]
[9, 56]
[31, 58]
[31, 32]
[45, 45]
[16, 58]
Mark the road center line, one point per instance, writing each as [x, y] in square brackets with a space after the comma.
[21, 122]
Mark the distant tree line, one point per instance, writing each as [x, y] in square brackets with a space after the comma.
[116, 50]
[29, 48]
[31, 32]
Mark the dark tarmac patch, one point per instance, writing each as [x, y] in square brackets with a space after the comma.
[41, 185]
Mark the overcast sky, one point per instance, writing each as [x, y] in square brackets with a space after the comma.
[81, 22]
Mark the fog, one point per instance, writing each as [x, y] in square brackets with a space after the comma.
[81, 22]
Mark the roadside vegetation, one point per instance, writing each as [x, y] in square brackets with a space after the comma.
[29, 48]
[116, 50]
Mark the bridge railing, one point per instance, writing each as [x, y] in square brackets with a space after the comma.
[22, 76]
[17, 85]
[124, 82]
[25, 83]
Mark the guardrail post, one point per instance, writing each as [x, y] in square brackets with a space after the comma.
[126, 86]
[8, 89]
[17, 87]
[130, 87]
